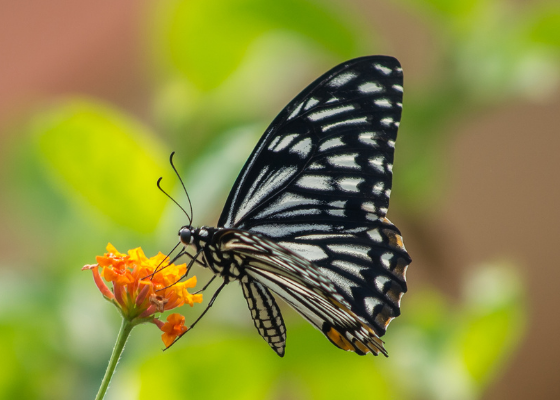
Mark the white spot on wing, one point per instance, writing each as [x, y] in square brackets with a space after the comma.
[383, 103]
[331, 143]
[272, 182]
[257, 182]
[369, 207]
[351, 249]
[298, 213]
[341, 282]
[377, 163]
[308, 251]
[344, 161]
[375, 235]
[274, 142]
[336, 213]
[349, 267]
[296, 111]
[371, 303]
[378, 188]
[370, 87]
[315, 165]
[284, 142]
[371, 217]
[302, 148]
[342, 79]
[329, 112]
[354, 121]
[318, 182]
[281, 230]
[383, 69]
[317, 236]
[311, 102]
[288, 200]
[356, 230]
[349, 184]
[368, 138]
[387, 121]
[398, 88]
[386, 259]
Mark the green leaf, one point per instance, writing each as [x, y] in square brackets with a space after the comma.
[449, 8]
[206, 41]
[97, 154]
[545, 27]
[230, 368]
[494, 322]
[224, 363]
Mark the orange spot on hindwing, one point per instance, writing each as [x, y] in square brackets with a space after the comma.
[339, 340]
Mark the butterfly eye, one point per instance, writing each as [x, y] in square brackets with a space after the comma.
[185, 235]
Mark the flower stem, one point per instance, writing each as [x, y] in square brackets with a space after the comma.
[124, 333]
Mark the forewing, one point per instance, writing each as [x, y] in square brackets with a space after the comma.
[303, 286]
[319, 182]
[337, 135]
[266, 314]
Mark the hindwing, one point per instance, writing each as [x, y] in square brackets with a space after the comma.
[266, 314]
[299, 282]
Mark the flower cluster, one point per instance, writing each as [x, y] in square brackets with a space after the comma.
[142, 287]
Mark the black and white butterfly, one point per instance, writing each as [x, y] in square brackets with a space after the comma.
[306, 218]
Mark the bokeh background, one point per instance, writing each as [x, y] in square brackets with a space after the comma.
[94, 96]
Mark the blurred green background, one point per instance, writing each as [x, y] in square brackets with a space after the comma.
[94, 95]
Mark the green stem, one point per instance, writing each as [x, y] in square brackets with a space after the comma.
[124, 332]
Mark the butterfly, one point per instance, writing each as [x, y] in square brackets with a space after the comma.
[306, 217]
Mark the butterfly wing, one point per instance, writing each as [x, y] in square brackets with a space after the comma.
[319, 181]
[265, 313]
[299, 282]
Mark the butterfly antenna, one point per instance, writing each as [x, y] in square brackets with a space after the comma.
[174, 201]
[182, 183]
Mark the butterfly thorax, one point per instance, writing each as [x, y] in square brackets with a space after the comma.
[222, 263]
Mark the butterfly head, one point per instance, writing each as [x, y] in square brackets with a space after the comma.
[186, 235]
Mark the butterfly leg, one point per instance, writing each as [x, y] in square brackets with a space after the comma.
[216, 293]
[195, 259]
[205, 286]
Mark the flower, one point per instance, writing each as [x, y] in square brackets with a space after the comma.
[173, 328]
[142, 287]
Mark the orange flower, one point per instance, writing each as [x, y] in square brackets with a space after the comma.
[173, 328]
[139, 293]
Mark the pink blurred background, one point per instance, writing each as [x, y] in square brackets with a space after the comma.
[504, 198]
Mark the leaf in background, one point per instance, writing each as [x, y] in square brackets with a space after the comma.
[232, 368]
[206, 41]
[494, 321]
[455, 352]
[224, 364]
[104, 158]
[545, 26]
[449, 8]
